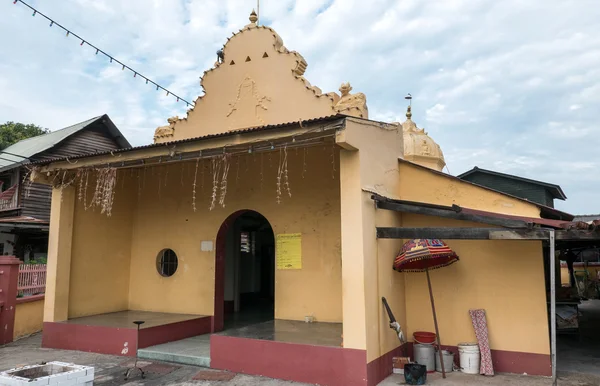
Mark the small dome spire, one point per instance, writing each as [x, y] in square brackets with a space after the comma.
[419, 147]
[253, 17]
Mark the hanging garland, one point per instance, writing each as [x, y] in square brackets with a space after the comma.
[105, 178]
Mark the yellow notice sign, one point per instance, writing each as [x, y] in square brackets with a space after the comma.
[288, 251]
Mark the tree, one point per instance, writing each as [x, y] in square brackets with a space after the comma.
[13, 132]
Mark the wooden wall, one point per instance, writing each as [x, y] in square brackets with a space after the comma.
[94, 138]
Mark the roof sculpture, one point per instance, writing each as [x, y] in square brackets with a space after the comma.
[419, 147]
[257, 81]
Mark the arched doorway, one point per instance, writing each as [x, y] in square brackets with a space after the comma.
[244, 271]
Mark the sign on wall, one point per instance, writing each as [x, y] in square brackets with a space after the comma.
[288, 251]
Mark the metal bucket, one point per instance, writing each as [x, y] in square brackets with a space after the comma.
[448, 361]
[425, 355]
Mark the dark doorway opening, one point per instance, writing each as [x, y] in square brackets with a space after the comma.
[245, 272]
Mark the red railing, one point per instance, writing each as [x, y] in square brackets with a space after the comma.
[32, 279]
[9, 199]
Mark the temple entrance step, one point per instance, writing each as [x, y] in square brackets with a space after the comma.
[193, 351]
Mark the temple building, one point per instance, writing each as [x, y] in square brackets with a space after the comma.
[258, 221]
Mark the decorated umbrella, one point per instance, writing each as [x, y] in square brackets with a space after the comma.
[421, 255]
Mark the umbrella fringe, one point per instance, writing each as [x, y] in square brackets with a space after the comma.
[423, 270]
[454, 258]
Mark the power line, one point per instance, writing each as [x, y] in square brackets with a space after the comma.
[99, 51]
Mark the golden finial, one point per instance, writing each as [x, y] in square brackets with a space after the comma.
[408, 97]
[253, 17]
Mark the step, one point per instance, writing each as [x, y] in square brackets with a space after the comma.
[193, 360]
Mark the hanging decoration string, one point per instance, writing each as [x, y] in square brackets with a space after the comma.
[135, 73]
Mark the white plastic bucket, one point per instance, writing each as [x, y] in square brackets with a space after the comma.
[448, 361]
[469, 357]
[425, 355]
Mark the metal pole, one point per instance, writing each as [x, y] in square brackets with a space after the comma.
[552, 304]
[257, 12]
[437, 331]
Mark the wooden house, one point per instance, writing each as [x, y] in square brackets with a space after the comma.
[539, 192]
[25, 207]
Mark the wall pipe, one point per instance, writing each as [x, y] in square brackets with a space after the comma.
[551, 239]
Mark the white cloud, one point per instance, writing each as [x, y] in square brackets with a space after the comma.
[507, 85]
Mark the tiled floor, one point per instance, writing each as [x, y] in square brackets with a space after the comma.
[125, 319]
[196, 350]
[291, 331]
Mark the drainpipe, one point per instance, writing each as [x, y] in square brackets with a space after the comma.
[551, 239]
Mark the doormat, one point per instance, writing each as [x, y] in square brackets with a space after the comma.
[207, 375]
[159, 368]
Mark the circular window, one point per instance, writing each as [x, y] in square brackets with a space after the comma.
[166, 262]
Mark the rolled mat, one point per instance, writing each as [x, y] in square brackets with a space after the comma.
[481, 331]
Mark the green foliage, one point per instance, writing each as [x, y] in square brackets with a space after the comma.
[39, 260]
[13, 132]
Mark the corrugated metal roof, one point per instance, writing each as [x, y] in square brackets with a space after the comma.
[200, 138]
[22, 220]
[31, 146]
[554, 189]
[587, 217]
[482, 215]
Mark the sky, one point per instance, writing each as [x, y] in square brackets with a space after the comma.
[512, 86]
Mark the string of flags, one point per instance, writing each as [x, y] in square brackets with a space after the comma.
[112, 59]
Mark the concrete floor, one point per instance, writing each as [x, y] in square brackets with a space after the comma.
[125, 319]
[291, 331]
[459, 379]
[581, 354]
[196, 350]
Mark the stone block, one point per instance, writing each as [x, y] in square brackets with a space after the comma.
[84, 379]
[49, 374]
[76, 374]
[67, 382]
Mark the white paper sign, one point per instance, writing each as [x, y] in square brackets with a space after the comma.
[206, 246]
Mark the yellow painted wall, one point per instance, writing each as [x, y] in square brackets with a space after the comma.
[391, 284]
[373, 167]
[506, 278]
[100, 257]
[564, 276]
[164, 219]
[28, 318]
[423, 185]
[564, 272]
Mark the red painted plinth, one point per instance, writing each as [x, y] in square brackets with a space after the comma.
[380, 368]
[326, 366]
[115, 340]
[509, 361]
